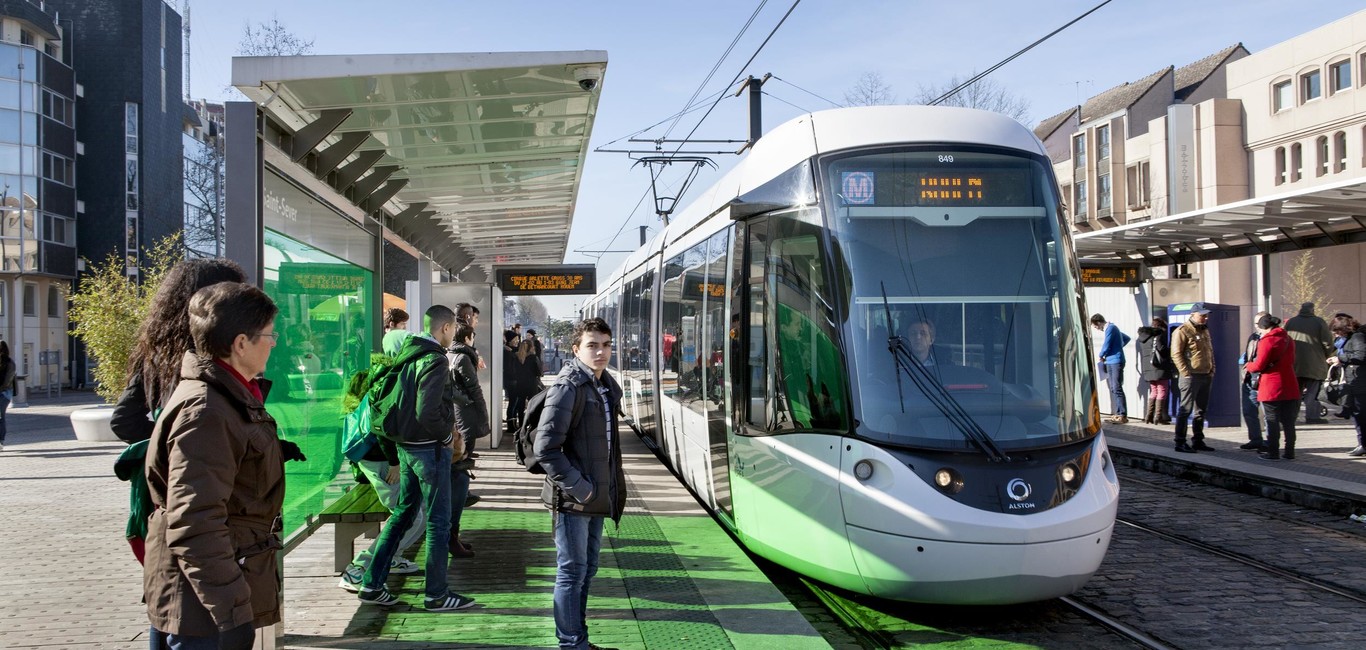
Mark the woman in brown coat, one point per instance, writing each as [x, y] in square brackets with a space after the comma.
[215, 472]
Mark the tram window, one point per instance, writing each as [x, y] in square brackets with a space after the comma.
[756, 357]
[646, 314]
[693, 352]
[714, 307]
[809, 370]
[671, 325]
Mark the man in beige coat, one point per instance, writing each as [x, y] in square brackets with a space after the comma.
[1193, 354]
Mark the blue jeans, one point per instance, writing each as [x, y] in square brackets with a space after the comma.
[1114, 375]
[460, 490]
[578, 539]
[241, 637]
[1252, 412]
[425, 475]
[4, 406]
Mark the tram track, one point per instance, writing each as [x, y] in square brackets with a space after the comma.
[1344, 592]
[1345, 531]
[1113, 624]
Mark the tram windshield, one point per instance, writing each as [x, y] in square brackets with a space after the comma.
[968, 250]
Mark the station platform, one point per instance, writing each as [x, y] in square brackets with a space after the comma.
[670, 577]
[1321, 476]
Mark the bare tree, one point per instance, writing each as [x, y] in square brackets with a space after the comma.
[272, 39]
[985, 94]
[869, 90]
[1304, 282]
[205, 200]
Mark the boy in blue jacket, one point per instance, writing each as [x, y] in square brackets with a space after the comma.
[1112, 359]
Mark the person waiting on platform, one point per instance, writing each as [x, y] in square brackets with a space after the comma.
[1112, 360]
[1193, 354]
[1351, 357]
[1313, 343]
[1247, 391]
[217, 477]
[395, 331]
[1155, 364]
[1277, 389]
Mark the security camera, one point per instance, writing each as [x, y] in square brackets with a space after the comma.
[588, 76]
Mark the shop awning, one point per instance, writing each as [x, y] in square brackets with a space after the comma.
[1323, 215]
[476, 157]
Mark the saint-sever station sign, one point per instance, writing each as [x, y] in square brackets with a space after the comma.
[557, 280]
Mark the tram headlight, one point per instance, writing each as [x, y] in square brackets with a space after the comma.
[863, 470]
[948, 480]
[1070, 475]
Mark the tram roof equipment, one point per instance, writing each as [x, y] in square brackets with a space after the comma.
[477, 156]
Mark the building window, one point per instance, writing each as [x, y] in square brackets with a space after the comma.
[58, 108]
[1340, 149]
[1138, 185]
[30, 299]
[1321, 144]
[25, 37]
[59, 230]
[1296, 162]
[1280, 166]
[1103, 193]
[1079, 150]
[1340, 76]
[54, 302]
[1311, 86]
[58, 168]
[1103, 141]
[1281, 96]
[1079, 200]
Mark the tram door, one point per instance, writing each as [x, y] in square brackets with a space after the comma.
[718, 335]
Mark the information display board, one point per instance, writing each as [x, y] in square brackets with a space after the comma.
[1112, 275]
[557, 280]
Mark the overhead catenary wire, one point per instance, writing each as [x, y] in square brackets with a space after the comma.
[717, 65]
[828, 101]
[769, 94]
[693, 108]
[984, 73]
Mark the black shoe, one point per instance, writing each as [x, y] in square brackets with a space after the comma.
[474, 454]
[1253, 445]
[1184, 448]
[1269, 455]
[460, 549]
[1199, 445]
[1289, 454]
[471, 500]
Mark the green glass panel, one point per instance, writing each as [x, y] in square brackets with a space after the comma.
[325, 325]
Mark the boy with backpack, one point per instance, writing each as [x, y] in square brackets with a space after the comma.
[377, 459]
[413, 404]
[576, 445]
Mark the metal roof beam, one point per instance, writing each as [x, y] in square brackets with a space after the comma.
[354, 169]
[377, 199]
[315, 132]
[333, 155]
[367, 186]
[581, 121]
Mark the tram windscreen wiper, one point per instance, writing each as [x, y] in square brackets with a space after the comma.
[936, 393]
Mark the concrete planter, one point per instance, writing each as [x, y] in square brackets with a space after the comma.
[92, 424]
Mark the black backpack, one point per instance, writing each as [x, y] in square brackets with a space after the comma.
[388, 402]
[524, 440]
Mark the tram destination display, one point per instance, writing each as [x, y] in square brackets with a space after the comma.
[940, 183]
[560, 280]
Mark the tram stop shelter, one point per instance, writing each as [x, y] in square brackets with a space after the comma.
[458, 161]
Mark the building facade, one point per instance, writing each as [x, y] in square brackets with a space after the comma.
[38, 150]
[205, 178]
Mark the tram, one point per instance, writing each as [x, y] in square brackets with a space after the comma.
[865, 350]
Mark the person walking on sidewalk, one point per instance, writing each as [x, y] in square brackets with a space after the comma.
[1247, 390]
[1351, 357]
[7, 370]
[577, 445]
[1193, 355]
[1313, 343]
[1112, 358]
[1277, 389]
[424, 430]
[1155, 364]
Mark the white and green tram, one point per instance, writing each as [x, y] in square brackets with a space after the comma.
[865, 350]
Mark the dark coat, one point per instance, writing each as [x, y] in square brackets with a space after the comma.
[1155, 359]
[1276, 363]
[1353, 356]
[471, 409]
[216, 474]
[1313, 343]
[583, 473]
[527, 375]
[132, 420]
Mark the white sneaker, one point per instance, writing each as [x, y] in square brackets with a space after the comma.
[404, 566]
[351, 578]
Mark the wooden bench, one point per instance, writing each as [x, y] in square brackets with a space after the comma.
[357, 513]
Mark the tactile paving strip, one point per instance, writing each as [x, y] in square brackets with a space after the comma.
[670, 609]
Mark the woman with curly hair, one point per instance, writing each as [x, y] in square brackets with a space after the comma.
[163, 339]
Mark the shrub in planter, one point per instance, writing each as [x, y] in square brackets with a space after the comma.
[109, 306]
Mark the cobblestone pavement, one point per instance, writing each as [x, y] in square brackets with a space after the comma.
[73, 580]
[1191, 598]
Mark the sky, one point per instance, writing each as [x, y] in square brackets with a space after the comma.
[660, 52]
